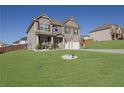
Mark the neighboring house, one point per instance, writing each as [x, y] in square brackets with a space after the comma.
[44, 30]
[123, 32]
[21, 41]
[2, 44]
[107, 32]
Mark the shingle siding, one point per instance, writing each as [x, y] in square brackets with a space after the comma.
[107, 32]
[31, 37]
[72, 25]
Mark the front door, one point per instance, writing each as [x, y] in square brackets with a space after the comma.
[59, 42]
[43, 40]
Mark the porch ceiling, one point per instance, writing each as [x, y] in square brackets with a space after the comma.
[50, 34]
[59, 35]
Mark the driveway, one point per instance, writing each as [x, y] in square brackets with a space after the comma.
[120, 51]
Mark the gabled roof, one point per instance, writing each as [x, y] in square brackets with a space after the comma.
[71, 19]
[44, 15]
[68, 19]
[57, 22]
[103, 27]
[53, 21]
[29, 27]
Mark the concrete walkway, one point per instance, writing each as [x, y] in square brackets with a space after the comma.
[120, 51]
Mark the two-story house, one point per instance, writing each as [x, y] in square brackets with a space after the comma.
[107, 32]
[47, 31]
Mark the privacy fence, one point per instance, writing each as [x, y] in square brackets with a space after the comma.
[13, 48]
[87, 41]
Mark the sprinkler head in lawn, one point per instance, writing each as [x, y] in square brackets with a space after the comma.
[69, 57]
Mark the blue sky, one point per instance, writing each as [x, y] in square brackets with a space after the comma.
[14, 20]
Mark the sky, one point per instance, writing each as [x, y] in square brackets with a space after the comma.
[14, 20]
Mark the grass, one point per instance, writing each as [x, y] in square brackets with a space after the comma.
[116, 44]
[28, 68]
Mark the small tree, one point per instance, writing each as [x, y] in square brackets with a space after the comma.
[40, 46]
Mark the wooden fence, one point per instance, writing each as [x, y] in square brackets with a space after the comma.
[12, 48]
[87, 41]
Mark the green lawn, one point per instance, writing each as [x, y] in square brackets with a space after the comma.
[28, 68]
[116, 44]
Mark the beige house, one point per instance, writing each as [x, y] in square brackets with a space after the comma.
[107, 32]
[46, 31]
[123, 32]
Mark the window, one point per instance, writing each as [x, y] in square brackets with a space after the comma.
[67, 30]
[75, 32]
[43, 41]
[55, 29]
[44, 27]
[71, 30]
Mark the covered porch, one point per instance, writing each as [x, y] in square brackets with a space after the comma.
[51, 41]
[116, 36]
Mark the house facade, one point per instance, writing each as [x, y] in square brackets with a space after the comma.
[44, 30]
[123, 32]
[107, 32]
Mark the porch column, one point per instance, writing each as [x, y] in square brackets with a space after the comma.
[63, 42]
[51, 27]
[52, 40]
[37, 39]
[115, 36]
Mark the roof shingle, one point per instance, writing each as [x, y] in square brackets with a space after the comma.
[105, 26]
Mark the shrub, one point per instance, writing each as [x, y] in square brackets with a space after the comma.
[38, 46]
[54, 46]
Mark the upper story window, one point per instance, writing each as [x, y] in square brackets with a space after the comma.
[75, 32]
[56, 29]
[44, 27]
[67, 30]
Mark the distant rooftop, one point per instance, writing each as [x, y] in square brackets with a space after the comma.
[23, 38]
[2, 43]
[105, 26]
